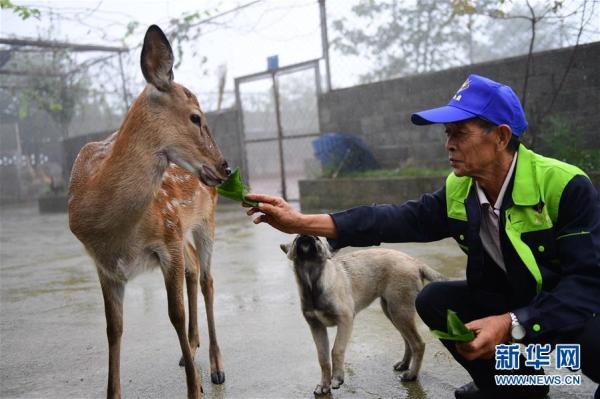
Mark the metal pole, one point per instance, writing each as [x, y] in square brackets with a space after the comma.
[125, 95]
[241, 132]
[325, 42]
[18, 162]
[279, 136]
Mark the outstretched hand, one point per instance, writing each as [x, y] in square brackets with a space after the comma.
[276, 212]
[489, 332]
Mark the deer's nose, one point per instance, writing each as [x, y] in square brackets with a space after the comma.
[226, 168]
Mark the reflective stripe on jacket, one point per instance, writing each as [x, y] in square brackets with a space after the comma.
[549, 235]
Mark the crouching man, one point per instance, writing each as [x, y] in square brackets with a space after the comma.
[530, 226]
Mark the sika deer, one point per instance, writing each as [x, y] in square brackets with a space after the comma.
[133, 198]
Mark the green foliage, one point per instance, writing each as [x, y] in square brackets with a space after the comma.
[183, 33]
[404, 37]
[22, 11]
[563, 142]
[58, 88]
[233, 188]
[457, 331]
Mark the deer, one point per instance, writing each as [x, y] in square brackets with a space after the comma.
[136, 198]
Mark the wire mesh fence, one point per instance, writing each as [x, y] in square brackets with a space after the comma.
[279, 122]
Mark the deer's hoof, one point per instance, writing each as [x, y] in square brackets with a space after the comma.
[218, 377]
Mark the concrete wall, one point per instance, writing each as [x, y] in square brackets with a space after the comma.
[327, 195]
[224, 126]
[380, 112]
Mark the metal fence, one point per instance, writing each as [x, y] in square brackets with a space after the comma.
[279, 120]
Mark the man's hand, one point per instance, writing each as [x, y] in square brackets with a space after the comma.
[276, 212]
[281, 215]
[489, 332]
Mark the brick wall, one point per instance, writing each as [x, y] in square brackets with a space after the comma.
[380, 112]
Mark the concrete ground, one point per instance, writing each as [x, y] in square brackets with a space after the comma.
[52, 328]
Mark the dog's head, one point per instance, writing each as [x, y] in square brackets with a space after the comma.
[307, 248]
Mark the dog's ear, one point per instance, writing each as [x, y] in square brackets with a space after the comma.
[285, 248]
[332, 252]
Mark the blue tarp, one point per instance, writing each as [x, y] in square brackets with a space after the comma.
[343, 153]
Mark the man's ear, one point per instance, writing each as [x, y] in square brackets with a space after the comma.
[504, 135]
[285, 248]
[157, 59]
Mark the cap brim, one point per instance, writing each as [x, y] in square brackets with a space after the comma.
[445, 114]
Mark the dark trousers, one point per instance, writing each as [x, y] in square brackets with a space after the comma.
[434, 300]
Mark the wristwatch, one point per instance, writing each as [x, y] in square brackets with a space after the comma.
[517, 331]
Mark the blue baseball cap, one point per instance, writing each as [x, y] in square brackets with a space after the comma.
[479, 97]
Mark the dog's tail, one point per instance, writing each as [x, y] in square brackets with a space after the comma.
[427, 273]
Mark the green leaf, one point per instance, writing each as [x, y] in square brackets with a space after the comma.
[460, 338]
[455, 325]
[457, 331]
[233, 188]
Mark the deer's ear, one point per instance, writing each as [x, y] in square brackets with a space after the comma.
[157, 59]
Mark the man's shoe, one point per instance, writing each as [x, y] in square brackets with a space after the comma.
[471, 391]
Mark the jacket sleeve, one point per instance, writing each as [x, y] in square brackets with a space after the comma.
[415, 221]
[576, 298]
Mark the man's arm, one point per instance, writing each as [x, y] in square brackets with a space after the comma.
[415, 221]
[577, 296]
[424, 220]
[282, 216]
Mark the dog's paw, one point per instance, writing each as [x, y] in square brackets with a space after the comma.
[407, 376]
[336, 382]
[401, 366]
[322, 389]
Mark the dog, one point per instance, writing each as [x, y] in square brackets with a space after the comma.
[333, 289]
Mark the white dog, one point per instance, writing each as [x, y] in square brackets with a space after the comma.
[334, 289]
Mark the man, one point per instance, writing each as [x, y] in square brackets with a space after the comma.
[530, 226]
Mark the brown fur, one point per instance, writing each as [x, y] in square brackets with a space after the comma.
[133, 198]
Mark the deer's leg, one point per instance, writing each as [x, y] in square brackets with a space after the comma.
[173, 274]
[203, 238]
[192, 268]
[113, 293]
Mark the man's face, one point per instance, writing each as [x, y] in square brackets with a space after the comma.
[471, 148]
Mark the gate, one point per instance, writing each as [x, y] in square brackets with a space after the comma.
[279, 120]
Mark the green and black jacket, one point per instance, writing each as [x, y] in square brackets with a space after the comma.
[549, 234]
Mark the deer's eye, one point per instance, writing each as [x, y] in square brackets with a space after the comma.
[195, 118]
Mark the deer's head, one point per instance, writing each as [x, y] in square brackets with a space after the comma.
[175, 116]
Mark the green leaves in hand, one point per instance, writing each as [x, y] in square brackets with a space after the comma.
[457, 331]
[233, 188]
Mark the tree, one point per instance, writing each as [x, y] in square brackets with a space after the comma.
[55, 86]
[553, 20]
[24, 12]
[404, 38]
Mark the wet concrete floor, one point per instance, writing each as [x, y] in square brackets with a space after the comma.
[52, 327]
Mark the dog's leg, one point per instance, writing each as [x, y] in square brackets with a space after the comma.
[406, 358]
[404, 321]
[344, 330]
[319, 333]
[405, 362]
